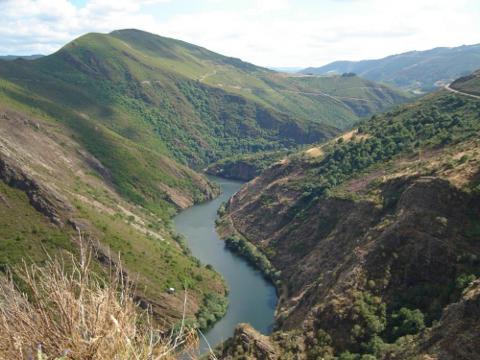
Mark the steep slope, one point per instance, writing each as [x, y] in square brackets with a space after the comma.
[99, 137]
[454, 336]
[369, 236]
[153, 99]
[414, 70]
[51, 187]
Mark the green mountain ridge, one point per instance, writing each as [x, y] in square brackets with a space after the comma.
[161, 97]
[21, 57]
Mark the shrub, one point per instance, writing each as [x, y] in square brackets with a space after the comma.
[214, 308]
[407, 322]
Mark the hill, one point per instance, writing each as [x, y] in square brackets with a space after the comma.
[169, 99]
[414, 70]
[371, 238]
[51, 188]
[469, 84]
[101, 137]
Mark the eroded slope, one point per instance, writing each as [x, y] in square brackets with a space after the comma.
[371, 235]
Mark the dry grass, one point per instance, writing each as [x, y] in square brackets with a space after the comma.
[75, 314]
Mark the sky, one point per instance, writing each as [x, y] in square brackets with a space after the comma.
[273, 33]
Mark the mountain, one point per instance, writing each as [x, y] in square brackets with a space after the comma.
[373, 239]
[179, 101]
[105, 137]
[414, 70]
[20, 57]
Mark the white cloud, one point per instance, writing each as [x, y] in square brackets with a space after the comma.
[266, 32]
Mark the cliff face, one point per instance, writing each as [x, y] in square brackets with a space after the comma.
[371, 262]
[240, 170]
[339, 249]
[248, 343]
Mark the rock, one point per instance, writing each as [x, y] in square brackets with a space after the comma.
[43, 198]
[247, 343]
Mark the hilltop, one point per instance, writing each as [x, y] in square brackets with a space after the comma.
[414, 70]
[371, 238]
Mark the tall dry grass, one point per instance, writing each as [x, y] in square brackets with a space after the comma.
[75, 314]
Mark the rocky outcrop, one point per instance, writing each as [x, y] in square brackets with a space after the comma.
[247, 343]
[42, 198]
[239, 170]
[454, 337]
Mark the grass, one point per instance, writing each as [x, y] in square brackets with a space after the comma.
[160, 264]
[74, 314]
[26, 232]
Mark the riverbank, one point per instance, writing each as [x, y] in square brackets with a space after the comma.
[252, 299]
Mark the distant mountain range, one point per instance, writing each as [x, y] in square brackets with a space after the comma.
[24, 57]
[287, 69]
[414, 70]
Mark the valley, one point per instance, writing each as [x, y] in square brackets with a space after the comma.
[285, 216]
[251, 298]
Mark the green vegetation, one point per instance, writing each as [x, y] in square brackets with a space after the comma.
[213, 309]
[406, 322]
[254, 257]
[438, 120]
[246, 167]
[135, 170]
[25, 233]
[369, 314]
[161, 263]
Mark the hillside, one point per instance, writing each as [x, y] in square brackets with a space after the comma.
[371, 239]
[51, 187]
[155, 100]
[414, 70]
[105, 135]
[469, 84]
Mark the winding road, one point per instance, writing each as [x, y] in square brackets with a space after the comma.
[447, 87]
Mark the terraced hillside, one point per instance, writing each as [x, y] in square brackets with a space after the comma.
[372, 239]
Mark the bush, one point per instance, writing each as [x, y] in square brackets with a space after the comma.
[369, 314]
[406, 322]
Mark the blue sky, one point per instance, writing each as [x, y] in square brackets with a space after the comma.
[266, 32]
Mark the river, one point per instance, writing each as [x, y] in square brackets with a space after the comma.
[252, 299]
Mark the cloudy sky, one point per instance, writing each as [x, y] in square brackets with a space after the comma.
[266, 32]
